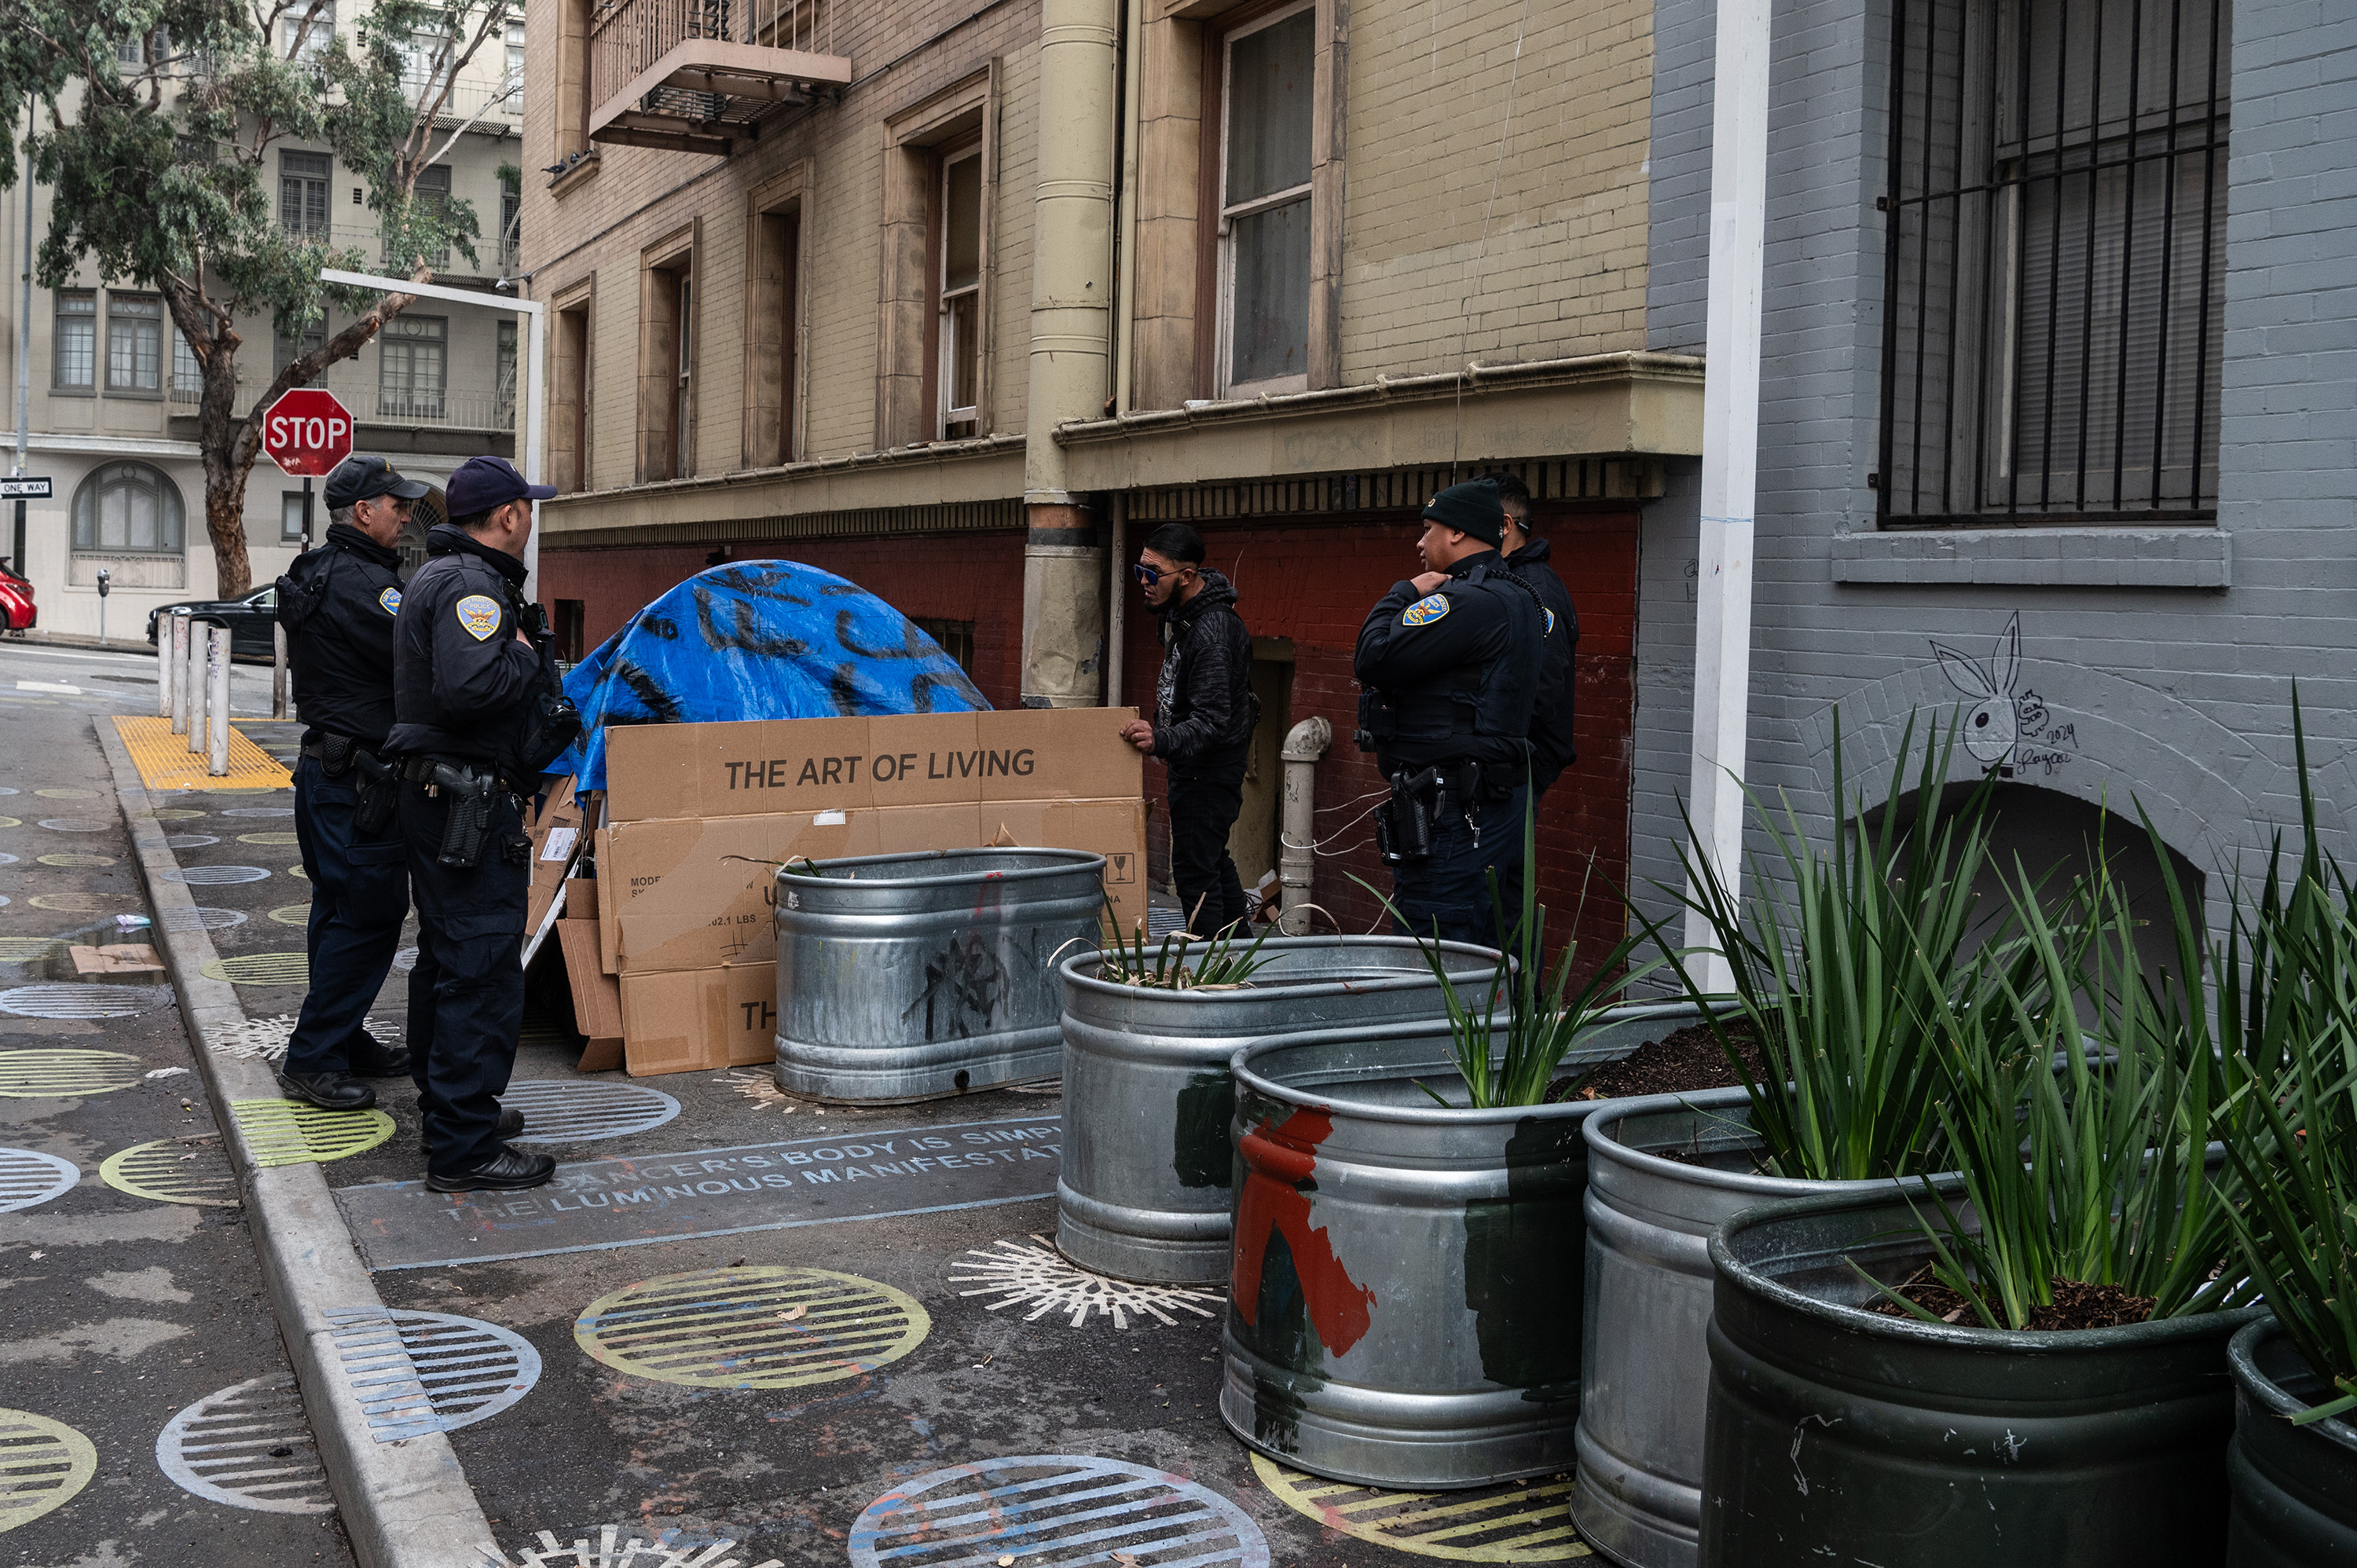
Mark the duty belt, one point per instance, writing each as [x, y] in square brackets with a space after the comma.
[420, 770]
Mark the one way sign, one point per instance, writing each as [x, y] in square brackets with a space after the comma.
[25, 490]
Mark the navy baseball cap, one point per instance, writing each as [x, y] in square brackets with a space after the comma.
[365, 478]
[482, 483]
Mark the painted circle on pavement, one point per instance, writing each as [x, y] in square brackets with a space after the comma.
[414, 1372]
[289, 1133]
[1494, 1524]
[298, 871]
[1060, 1508]
[189, 841]
[75, 825]
[48, 1463]
[28, 1177]
[175, 814]
[28, 949]
[259, 811]
[405, 960]
[211, 875]
[272, 839]
[4, 789]
[248, 1446]
[64, 794]
[85, 903]
[751, 1328]
[558, 1111]
[200, 919]
[12, 821]
[171, 1170]
[292, 913]
[8, 860]
[288, 968]
[77, 861]
[67, 999]
[65, 1074]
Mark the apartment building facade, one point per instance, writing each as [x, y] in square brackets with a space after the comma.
[960, 301]
[114, 389]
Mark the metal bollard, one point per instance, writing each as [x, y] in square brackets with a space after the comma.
[174, 656]
[164, 667]
[200, 635]
[277, 671]
[216, 664]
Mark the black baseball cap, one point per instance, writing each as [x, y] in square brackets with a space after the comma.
[365, 478]
[482, 483]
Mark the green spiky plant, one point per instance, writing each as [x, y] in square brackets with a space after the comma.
[1839, 965]
[1181, 961]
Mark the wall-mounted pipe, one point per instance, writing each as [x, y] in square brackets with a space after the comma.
[1296, 860]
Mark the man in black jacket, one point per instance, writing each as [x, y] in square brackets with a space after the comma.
[1203, 723]
[466, 673]
[1552, 747]
[337, 605]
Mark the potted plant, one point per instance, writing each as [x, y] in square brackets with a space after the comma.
[1836, 960]
[1147, 1032]
[2026, 1359]
[1408, 1229]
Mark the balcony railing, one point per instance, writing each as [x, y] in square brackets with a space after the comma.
[445, 410]
[699, 75]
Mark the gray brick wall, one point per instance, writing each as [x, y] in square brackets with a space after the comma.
[2139, 676]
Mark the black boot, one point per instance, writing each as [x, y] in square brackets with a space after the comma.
[328, 1090]
[506, 1171]
[511, 1124]
[371, 1057]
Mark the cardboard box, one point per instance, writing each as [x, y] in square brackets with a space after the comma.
[771, 766]
[555, 835]
[695, 894]
[120, 958]
[596, 995]
[686, 1020]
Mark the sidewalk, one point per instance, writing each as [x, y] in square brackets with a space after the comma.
[735, 1323]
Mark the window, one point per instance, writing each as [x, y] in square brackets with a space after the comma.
[187, 374]
[515, 52]
[1264, 228]
[682, 419]
[503, 373]
[568, 411]
[2054, 265]
[772, 325]
[667, 347]
[135, 343]
[75, 362]
[959, 288]
[426, 65]
[572, 616]
[290, 516]
[284, 350]
[303, 193]
[305, 31]
[955, 637]
[432, 198]
[413, 356]
[128, 506]
[510, 230]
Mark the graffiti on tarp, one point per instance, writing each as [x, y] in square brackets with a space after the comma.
[965, 985]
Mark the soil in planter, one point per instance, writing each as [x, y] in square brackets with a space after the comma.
[2076, 1306]
[1685, 1062]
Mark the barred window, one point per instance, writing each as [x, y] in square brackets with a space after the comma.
[2055, 270]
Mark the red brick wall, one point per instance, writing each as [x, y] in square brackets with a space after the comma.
[955, 576]
[1314, 581]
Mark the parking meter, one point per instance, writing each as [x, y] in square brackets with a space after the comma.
[105, 577]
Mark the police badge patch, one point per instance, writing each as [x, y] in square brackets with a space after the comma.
[391, 600]
[1550, 615]
[1425, 610]
[479, 614]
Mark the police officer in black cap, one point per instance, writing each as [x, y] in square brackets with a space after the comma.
[1528, 557]
[1449, 663]
[337, 605]
[473, 692]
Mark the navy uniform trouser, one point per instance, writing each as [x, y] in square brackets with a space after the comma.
[360, 891]
[1451, 885]
[466, 996]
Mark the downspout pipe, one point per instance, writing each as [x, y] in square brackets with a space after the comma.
[1304, 743]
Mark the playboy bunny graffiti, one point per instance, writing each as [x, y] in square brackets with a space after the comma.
[2009, 727]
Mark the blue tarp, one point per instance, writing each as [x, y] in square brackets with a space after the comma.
[758, 640]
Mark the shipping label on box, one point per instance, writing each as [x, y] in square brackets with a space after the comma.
[688, 1020]
[767, 767]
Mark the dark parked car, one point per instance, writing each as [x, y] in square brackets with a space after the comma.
[249, 620]
[17, 611]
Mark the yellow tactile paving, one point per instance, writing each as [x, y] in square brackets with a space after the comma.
[164, 761]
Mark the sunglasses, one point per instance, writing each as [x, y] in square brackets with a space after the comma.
[1149, 575]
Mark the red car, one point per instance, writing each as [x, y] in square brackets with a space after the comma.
[17, 611]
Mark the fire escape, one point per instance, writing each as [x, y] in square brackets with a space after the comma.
[700, 75]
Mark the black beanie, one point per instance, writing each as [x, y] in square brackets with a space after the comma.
[1473, 507]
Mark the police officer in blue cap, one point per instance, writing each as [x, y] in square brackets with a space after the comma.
[1448, 663]
[478, 713]
[337, 605]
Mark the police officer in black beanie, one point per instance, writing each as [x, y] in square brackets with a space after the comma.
[1528, 556]
[337, 605]
[466, 671]
[1448, 663]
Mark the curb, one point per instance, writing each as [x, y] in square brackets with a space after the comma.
[405, 1504]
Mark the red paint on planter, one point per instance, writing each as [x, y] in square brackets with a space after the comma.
[1277, 1160]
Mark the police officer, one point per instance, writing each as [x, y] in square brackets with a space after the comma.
[337, 605]
[465, 676]
[1552, 746]
[1449, 662]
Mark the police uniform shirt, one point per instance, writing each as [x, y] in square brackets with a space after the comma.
[338, 604]
[1418, 648]
[461, 681]
[1553, 748]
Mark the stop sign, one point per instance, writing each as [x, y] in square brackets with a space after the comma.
[306, 431]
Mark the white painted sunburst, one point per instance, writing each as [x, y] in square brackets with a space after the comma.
[1021, 1274]
[613, 1552]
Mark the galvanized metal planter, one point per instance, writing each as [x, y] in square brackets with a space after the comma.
[1404, 1299]
[1147, 1163]
[1836, 1434]
[1636, 1496]
[2295, 1488]
[907, 977]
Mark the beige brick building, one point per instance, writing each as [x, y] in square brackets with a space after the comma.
[958, 300]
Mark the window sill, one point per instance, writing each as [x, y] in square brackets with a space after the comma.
[580, 173]
[2188, 557]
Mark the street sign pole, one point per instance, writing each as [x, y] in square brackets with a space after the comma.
[306, 514]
